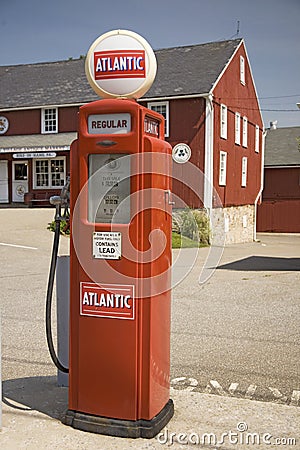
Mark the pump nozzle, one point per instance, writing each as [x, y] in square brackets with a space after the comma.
[55, 200]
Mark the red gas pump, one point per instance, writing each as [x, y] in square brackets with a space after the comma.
[120, 283]
[120, 258]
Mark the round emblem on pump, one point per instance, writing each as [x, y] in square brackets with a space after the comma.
[120, 63]
[181, 153]
[4, 124]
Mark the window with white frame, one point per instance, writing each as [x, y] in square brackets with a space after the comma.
[237, 128]
[257, 138]
[163, 109]
[223, 124]
[49, 120]
[242, 70]
[244, 171]
[222, 168]
[245, 132]
[49, 173]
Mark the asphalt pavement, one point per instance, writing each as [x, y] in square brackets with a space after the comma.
[241, 327]
[212, 417]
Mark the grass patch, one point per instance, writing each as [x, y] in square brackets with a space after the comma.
[179, 241]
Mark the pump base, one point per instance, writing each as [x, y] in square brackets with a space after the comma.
[118, 427]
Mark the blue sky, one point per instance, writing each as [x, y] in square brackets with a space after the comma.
[37, 31]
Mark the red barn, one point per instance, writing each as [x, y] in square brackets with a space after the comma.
[280, 207]
[205, 92]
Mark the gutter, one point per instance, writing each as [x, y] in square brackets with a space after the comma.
[261, 184]
[64, 105]
[22, 108]
[209, 153]
[174, 97]
[282, 166]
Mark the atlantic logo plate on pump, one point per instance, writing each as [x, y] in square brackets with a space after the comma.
[107, 300]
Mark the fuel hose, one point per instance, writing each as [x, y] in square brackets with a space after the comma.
[51, 277]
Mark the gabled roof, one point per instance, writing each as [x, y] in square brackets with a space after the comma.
[53, 83]
[182, 71]
[190, 70]
[282, 147]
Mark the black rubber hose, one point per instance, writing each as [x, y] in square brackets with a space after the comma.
[49, 298]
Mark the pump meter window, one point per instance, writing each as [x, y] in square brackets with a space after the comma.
[109, 188]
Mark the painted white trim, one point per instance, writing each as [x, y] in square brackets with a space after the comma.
[43, 121]
[167, 118]
[209, 153]
[245, 132]
[237, 128]
[223, 121]
[242, 71]
[223, 174]
[244, 171]
[257, 139]
[49, 185]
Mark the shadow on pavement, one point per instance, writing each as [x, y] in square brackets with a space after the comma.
[36, 394]
[264, 263]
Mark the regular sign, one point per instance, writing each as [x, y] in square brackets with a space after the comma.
[120, 63]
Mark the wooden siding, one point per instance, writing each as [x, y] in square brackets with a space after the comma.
[280, 208]
[187, 124]
[281, 183]
[29, 121]
[68, 119]
[281, 216]
[24, 122]
[242, 99]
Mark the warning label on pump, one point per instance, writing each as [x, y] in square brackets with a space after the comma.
[107, 300]
[107, 245]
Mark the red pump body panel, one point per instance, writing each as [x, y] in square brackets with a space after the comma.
[120, 262]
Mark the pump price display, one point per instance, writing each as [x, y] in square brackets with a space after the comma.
[109, 188]
[107, 300]
[107, 245]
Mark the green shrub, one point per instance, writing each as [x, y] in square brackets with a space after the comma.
[195, 225]
[64, 227]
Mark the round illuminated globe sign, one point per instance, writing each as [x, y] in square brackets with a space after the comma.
[120, 63]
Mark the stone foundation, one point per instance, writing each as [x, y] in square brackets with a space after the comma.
[233, 225]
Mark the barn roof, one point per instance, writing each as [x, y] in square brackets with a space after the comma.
[282, 147]
[182, 71]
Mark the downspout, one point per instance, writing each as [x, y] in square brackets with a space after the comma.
[209, 154]
[261, 183]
